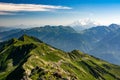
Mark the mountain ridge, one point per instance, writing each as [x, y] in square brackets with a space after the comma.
[31, 59]
[67, 39]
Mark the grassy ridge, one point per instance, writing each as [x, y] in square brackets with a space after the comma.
[30, 58]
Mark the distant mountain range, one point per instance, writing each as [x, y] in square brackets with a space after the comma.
[100, 41]
[109, 47]
[28, 58]
[3, 28]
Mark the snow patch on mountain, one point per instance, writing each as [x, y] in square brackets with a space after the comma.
[84, 24]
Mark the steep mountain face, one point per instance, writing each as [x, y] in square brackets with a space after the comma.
[109, 47]
[95, 34]
[28, 58]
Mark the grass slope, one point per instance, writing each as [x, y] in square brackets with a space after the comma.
[28, 58]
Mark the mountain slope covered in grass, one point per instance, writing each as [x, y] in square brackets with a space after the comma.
[28, 58]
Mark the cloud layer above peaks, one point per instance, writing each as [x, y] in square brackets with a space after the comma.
[9, 8]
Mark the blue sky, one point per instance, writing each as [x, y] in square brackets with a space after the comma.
[58, 12]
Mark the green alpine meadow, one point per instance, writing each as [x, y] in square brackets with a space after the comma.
[28, 58]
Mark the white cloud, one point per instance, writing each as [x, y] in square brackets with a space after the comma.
[5, 8]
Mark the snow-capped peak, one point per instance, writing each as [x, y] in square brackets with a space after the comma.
[84, 24]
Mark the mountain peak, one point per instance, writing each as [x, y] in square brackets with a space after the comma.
[24, 37]
[29, 38]
[83, 24]
[114, 26]
[43, 62]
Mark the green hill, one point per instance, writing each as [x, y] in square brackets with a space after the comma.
[28, 58]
